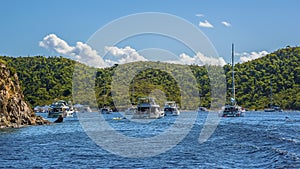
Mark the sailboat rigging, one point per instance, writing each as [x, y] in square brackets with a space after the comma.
[232, 110]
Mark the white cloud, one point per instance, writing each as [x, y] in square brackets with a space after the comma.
[226, 24]
[199, 15]
[115, 55]
[199, 59]
[245, 57]
[205, 24]
[123, 55]
[81, 52]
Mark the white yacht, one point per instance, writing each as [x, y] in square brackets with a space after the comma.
[62, 108]
[171, 108]
[147, 109]
[82, 108]
[233, 111]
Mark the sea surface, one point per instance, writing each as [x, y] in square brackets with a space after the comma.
[258, 140]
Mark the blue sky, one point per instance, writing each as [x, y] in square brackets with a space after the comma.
[256, 25]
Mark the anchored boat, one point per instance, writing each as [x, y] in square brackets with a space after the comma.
[272, 107]
[147, 109]
[105, 110]
[62, 108]
[201, 109]
[233, 110]
[171, 108]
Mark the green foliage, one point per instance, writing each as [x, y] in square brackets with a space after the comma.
[277, 72]
[44, 79]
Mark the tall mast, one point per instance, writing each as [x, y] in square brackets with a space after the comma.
[232, 62]
[271, 94]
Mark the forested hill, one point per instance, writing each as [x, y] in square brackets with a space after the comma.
[277, 73]
[44, 79]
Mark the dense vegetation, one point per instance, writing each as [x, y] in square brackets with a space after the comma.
[45, 79]
[277, 73]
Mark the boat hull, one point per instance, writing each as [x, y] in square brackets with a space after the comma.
[54, 114]
[233, 111]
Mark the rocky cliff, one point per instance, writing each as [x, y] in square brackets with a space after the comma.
[14, 111]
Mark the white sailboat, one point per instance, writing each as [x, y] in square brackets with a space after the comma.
[233, 110]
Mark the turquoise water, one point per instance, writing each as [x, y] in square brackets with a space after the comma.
[258, 140]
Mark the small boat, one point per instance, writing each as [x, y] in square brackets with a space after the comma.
[272, 108]
[147, 109]
[171, 108]
[131, 110]
[82, 108]
[62, 108]
[233, 110]
[105, 110]
[201, 109]
[119, 118]
[38, 109]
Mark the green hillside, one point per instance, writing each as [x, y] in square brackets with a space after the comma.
[44, 79]
[278, 72]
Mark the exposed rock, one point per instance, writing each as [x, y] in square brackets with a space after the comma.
[59, 119]
[14, 111]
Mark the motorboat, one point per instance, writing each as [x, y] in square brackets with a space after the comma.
[147, 109]
[105, 110]
[62, 108]
[131, 110]
[171, 108]
[201, 109]
[82, 108]
[273, 109]
[233, 111]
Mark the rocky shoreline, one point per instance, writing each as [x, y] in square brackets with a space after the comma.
[14, 111]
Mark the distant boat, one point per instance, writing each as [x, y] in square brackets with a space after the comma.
[131, 110]
[118, 118]
[201, 109]
[171, 108]
[38, 109]
[82, 108]
[41, 109]
[233, 110]
[62, 108]
[105, 110]
[272, 107]
[147, 109]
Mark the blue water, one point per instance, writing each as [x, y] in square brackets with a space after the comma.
[258, 140]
